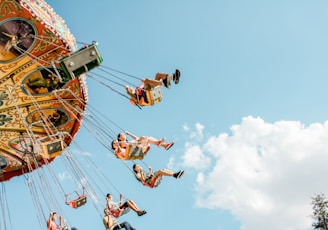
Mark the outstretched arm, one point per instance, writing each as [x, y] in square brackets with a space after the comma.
[132, 135]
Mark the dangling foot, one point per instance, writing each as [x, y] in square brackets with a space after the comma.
[178, 174]
[176, 76]
[168, 145]
[141, 212]
[161, 141]
[181, 173]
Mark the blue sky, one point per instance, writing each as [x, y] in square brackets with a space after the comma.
[249, 116]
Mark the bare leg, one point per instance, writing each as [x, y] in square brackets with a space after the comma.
[151, 140]
[154, 141]
[163, 172]
[135, 208]
[133, 205]
[166, 172]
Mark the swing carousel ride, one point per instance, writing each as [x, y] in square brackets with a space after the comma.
[43, 101]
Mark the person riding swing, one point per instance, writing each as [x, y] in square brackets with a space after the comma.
[153, 179]
[120, 208]
[150, 91]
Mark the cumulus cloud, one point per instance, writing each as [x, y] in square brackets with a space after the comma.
[263, 173]
[197, 134]
[199, 128]
[195, 158]
[186, 127]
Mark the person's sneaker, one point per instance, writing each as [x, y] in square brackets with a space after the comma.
[161, 141]
[175, 175]
[180, 174]
[176, 76]
[168, 145]
[141, 212]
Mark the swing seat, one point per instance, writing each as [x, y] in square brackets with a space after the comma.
[153, 182]
[150, 97]
[133, 152]
[155, 94]
[78, 202]
[52, 148]
[81, 61]
[116, 213]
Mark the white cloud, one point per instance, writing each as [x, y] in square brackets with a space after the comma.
[186, 127]
[198, 134]
[199, 128]
[264, 174]
[194, 158]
